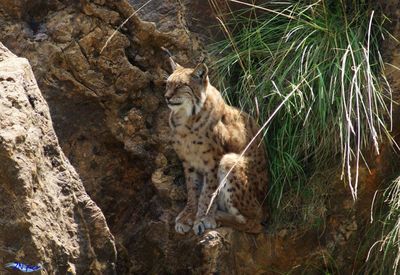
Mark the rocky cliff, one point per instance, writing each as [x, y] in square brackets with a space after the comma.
[46, 214]
[105, 91]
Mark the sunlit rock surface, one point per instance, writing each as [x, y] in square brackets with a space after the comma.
[46, 215]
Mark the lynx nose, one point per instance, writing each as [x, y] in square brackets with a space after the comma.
[167, 96]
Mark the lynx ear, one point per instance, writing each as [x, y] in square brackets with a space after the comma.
[200, 72]
[173, 64]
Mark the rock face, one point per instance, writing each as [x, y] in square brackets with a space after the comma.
[46, 214]
[105, 94]
[108, 111]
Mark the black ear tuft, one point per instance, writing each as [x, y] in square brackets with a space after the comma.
[173, 64]
[200, 72]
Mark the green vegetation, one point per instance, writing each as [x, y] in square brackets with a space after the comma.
[390, 241]
[381, 243]
[317, 65]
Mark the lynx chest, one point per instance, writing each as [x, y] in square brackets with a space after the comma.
[198, 149]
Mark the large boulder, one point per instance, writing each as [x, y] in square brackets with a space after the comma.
[46, 214]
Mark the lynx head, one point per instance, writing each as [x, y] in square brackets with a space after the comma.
[186, 88]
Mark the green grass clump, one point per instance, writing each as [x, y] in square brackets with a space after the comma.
[390, 242]
[321, 60]
[383, 255]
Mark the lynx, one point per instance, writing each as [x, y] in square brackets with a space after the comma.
[209, 136]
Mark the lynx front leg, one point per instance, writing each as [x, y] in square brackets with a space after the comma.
[185, 219]
[206, 221]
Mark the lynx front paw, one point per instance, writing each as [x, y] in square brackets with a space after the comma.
[200, 225]
[182, 228]
[184, 221]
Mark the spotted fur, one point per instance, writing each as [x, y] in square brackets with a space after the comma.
[208, 136]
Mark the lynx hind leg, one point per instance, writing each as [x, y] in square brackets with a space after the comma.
[239, 207]
[250, 226]
[231, 192]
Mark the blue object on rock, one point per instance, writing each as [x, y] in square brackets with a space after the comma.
[24, 267]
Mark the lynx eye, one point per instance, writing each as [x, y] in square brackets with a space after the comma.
[184, 88]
